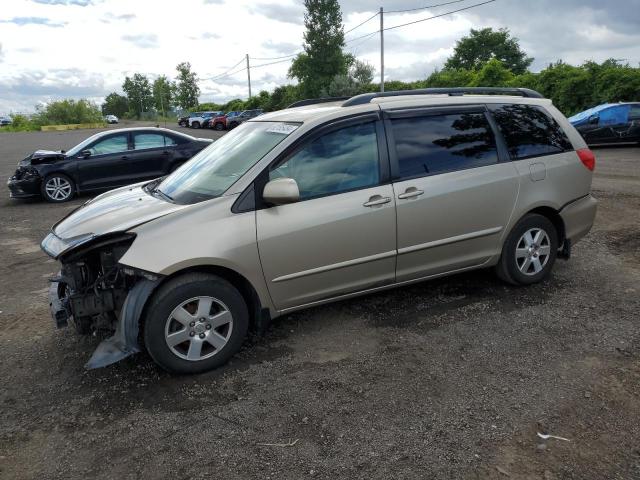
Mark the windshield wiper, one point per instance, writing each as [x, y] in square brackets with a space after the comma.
[156, 190]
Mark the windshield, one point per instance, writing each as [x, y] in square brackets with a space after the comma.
[78, 148]
[212, 171]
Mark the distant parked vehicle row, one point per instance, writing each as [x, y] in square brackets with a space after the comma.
[5, 121]
[218, 120]
[609, 123]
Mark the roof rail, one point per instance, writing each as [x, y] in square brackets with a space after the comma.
[313, 101]
[454, 91]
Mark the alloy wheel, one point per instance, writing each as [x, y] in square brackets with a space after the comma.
[532, 251]
[198, 328]
[58, 188]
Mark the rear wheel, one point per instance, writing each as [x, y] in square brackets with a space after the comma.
[57, 188]
[529, 252]
[195, 323]
[233, 125]
[219, 126]
[195, 125]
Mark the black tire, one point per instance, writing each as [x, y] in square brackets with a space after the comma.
[195, 125]
[233, 125]
[219, 126]
[158, 317]
[512, 270]
[66, 192]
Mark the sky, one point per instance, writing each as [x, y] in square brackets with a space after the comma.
[53, 49]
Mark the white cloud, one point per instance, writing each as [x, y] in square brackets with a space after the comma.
[98, 42]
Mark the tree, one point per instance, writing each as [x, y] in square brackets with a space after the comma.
[354, 82]
[480, 46]
[323, 57]
[162, 93]
[492, 74]
[115, 104]
[187, 90]
[138, 91]
[362, 72]
[67, 112]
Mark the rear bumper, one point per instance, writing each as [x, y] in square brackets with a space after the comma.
[578, 217]
[24, 187]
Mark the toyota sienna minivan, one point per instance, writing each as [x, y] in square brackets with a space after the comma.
[319, 202]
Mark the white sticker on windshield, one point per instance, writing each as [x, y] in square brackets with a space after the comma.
[283, 128]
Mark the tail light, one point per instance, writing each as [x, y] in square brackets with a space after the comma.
[587, 158]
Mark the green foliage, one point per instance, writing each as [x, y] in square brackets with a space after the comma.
[115, 104]
[139, 95]
[67, 112]
[323, 57]
[162, 91]
[21, 123]
[448, 78]
[492, 74]
[473, 51]
[186, 87]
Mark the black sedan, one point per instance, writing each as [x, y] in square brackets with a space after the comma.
[103, 161]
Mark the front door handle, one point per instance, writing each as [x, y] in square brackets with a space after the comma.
[411, 192]
[124, 157]
[376, 200]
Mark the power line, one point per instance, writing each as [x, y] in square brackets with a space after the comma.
[421, 20]
[225, 72]
[423, 8]
[441, 15]
[275, 58]
[360, 24]
[270, 63]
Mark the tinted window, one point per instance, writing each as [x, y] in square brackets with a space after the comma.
[170, 141]
[115, 144]
[634, 112]
[342, 160]
[529, 130]
[148, 140]
[443, 143]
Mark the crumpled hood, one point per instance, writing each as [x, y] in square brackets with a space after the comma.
[41, 156]
[115, 211]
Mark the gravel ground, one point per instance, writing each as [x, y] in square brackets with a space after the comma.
[447, 379]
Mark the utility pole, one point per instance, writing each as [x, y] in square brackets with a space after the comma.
[249, 75]
[381, 49]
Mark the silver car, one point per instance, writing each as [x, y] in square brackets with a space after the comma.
[317, 203]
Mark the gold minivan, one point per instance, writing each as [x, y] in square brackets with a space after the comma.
[319, 202]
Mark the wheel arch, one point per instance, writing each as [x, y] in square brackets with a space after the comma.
[554, 217]
[259, 315]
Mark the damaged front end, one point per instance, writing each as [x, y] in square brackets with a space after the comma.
[96, 293]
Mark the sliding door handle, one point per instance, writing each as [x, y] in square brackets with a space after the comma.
[411, 192]
[376, 200]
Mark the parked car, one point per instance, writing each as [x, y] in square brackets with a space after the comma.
[5, 121]
[609, 123]
[311, 205]
[105, 160]
[184, 121]
[220, 122]
[198, 121]
[111, 119]
[243, 117]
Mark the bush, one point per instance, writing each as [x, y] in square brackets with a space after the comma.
[68, 112]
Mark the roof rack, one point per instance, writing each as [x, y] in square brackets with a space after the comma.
[313, 101]
[454, 91]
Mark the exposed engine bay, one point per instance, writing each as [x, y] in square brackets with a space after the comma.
[92, 292]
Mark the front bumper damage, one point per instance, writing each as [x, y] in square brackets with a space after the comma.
[95, 292]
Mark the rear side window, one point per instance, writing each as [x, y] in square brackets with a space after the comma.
[529, 130]
[634, 112]
[148, 140]
[435, 144]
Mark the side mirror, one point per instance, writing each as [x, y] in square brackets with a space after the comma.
[281, 191]
[86, 153]
[593, 120]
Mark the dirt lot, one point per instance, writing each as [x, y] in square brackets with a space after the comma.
[448, 379]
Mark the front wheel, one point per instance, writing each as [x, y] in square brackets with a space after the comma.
[529, 252]
[195, 323]
[219, 126]
[195, 125]
[57, 188]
